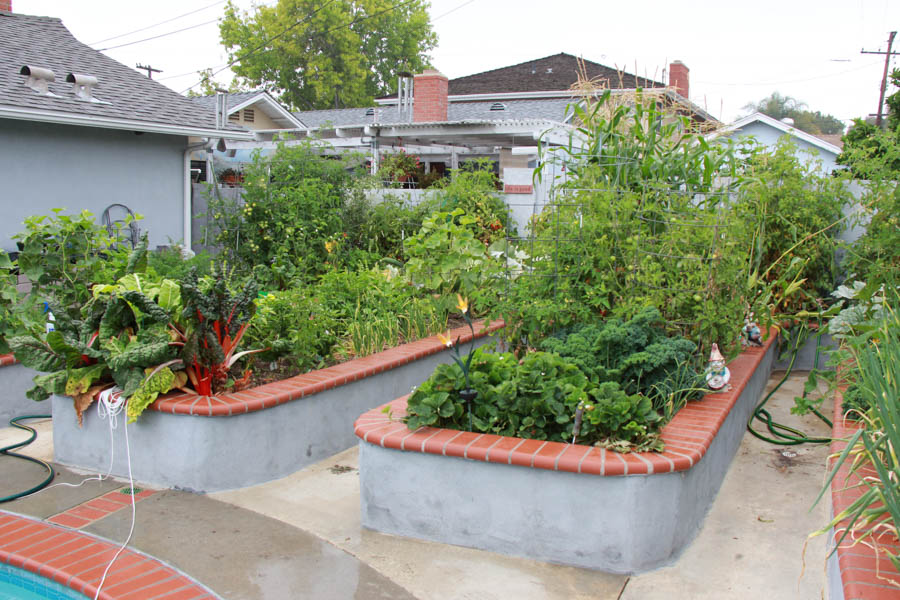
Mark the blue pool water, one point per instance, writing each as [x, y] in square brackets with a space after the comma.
[18, 584]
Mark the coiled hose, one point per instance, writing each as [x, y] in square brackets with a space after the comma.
[783, 434]
[7, 451]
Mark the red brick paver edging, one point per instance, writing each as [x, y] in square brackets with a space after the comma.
[866, 571]
[93, 510]
[78, 560]
[279, 392]
[7, 360]
[687, 436]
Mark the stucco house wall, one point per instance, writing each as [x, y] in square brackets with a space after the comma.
[769, 136]
[48, 166]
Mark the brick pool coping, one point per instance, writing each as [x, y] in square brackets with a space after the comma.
[314, 382]
[687, 436]
[77, 560]
[866, 573]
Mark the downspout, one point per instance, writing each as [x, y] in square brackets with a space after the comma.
[186, 198]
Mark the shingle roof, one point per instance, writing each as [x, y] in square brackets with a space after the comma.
[231, 99]
[555, 73]
[552, 109]
[551, 73]
[45, 42]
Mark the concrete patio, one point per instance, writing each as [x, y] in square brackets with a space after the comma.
[300, 536]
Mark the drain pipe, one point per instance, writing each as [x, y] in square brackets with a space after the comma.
[186, 198]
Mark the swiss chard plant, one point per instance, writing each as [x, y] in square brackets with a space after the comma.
[212, 322]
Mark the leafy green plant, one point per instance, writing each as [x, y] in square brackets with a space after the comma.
[63, 255]
[291, 206]
[473, 189]
[170, 263]
[445, 258]
[874, 257]
[121, 337]
[293, 327]
[797, 209]
[637, 354]
[534, 398]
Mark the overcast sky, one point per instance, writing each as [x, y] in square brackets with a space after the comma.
[737, 52]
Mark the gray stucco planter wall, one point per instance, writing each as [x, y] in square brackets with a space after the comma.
[15, 380]
[559, 503]
[207, 444]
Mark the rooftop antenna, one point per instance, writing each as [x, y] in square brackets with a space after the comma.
[405, 96]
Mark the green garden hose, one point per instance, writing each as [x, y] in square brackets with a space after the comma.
[783, 434]
[6, 450]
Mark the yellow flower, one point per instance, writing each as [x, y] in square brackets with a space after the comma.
[445, 339]
[329, 246]
[462, 304]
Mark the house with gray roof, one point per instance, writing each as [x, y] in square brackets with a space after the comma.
[256, 110]
[766, 131]
[79, 130]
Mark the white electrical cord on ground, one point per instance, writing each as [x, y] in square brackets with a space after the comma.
[109, 404]
[104, 411]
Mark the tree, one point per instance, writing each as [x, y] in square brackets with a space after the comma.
[780, 107]
[209, 86]
[328, 53]
[871, 152]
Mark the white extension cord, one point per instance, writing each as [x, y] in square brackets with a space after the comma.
[109, 404]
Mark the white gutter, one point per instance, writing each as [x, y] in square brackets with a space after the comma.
[65, 118]
[561, 94]
[186, 196]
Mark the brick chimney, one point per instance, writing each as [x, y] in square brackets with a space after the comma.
[6, 5]
[679, 78]
[429, 96]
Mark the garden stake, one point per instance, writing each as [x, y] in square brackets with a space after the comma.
[579, 413]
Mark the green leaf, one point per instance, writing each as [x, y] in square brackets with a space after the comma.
[35, 354]
[79, 380]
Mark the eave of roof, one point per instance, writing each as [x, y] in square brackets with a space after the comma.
[784, 127]
[64, 118]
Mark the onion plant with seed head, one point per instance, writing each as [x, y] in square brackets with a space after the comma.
[874, 447]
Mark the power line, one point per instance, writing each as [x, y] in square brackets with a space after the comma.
[743, 83]
[326, 32]
[452, 10]
[115, 37]
[155, 37]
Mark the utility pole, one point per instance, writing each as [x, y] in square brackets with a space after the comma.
[887, 62]
[150, 70]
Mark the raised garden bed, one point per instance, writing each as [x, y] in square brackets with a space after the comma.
[212, 443]
[15, 380]
[860, 571]
[563, 503]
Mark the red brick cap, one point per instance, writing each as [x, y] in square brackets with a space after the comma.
[866, 571]
[687, 436]
[78, 561]
[273, 394]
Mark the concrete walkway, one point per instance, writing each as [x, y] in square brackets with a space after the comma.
[300, 537]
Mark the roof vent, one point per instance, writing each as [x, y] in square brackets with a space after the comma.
[498, 106]
[83, 86]
[39, 79]
[370, 112]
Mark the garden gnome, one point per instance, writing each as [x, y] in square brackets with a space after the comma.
[751, 334]
[717, 374]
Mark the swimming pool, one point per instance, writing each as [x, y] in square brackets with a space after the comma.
[18, 584]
